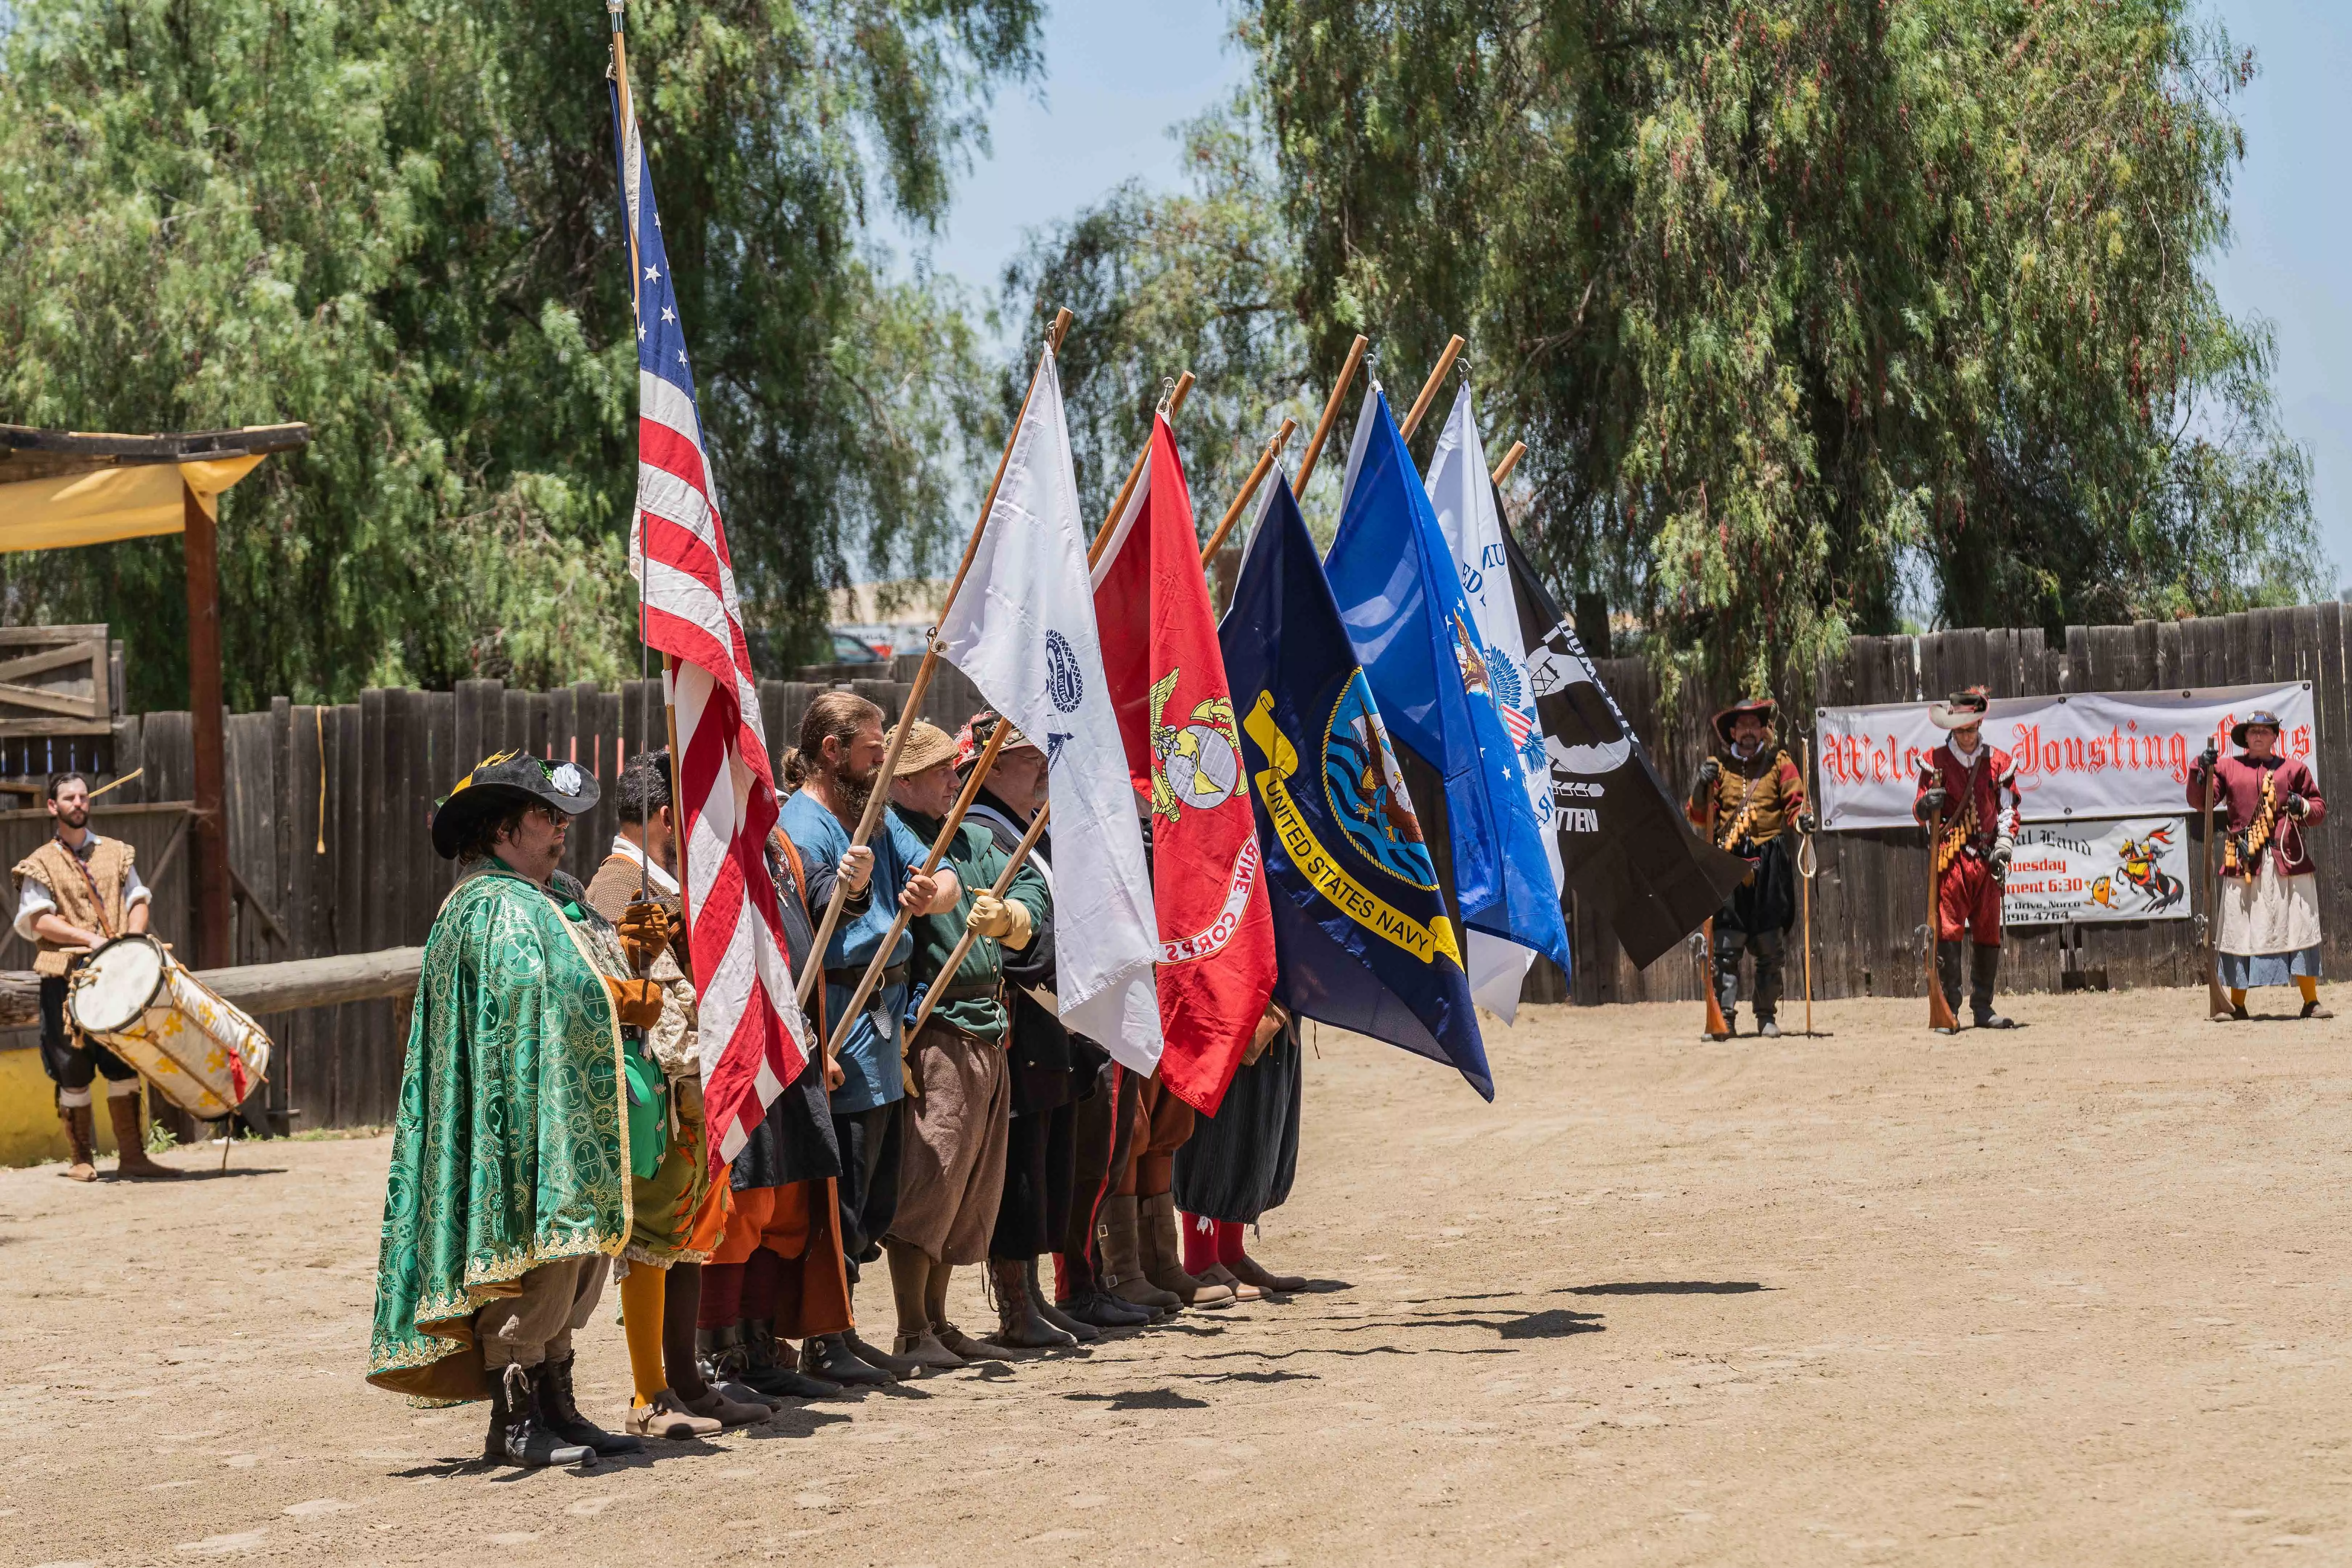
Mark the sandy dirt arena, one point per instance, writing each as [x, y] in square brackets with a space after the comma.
[2074, 1294]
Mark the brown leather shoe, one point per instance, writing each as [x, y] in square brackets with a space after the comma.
[1163, 1255]
[130, 1157]
[964, 1346]
[82, 1137]
[1264, 1278]
[925, 1352]
[667, 1419]
[1218, 1274]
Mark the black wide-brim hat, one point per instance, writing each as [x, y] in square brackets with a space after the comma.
[1764, 708]
[502, 781]
[2262, 717]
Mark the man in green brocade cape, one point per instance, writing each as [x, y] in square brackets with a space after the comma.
[510, 1179]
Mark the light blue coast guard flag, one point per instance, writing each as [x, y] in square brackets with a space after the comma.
[1417, 639]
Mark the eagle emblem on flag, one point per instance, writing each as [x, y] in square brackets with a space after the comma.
[1196, 765]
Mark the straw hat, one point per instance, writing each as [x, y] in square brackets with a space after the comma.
[928, 746]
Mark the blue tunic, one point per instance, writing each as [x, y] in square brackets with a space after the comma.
[869, 1053]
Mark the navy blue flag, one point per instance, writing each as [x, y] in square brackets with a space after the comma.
[1400, 596]
[1360, 931]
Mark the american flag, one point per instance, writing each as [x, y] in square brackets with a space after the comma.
[754, 1036]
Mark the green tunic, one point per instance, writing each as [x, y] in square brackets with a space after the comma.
[978, 862]
[511, 1148]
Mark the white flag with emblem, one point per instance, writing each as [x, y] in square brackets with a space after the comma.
[1023, 628]
[1463, 495]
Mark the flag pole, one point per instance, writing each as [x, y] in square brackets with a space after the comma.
[669, 712]
[1510, 460]
[880, 798]
[1429, 388]
[963, 943]
[1273, 446]
[881, 958]
[1175, 405]
[1331, 415]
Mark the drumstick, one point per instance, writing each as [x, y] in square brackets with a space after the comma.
[115, 783]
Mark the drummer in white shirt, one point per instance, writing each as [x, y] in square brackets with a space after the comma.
[74, 894]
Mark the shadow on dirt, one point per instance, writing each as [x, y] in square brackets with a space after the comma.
[1670, 1288]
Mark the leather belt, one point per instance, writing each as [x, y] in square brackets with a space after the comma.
[967, 989]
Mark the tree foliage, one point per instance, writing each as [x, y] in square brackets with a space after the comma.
[1795, 301]
[398, 221]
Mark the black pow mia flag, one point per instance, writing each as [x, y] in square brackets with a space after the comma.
[1624, 844]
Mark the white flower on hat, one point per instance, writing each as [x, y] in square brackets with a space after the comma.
[567, 778]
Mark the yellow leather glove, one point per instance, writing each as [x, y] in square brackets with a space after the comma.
[1007, 922]
[644, 932]
[638, 1002]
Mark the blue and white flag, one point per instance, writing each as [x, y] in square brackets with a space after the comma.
[1463, 495]
[1401, 599]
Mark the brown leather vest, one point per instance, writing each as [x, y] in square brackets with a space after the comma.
[60, 870]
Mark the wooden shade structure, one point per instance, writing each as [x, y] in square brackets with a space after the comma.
[60, 488]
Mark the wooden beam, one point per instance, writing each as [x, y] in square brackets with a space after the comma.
[202, 545]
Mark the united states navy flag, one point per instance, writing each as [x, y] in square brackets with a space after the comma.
[1359, 928]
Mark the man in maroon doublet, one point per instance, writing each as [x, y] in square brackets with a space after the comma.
[1967, 791]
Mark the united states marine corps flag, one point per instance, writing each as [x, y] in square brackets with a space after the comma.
[1167, 682]
[1358, 924]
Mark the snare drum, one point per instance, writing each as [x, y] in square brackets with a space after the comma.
[204, 1053]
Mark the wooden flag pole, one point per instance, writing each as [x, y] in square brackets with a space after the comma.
[963, 942]
[1429, 388]
[881, 958]
[1331, 415]
[881, 795]
[1939, 1007]
[1134, 476]
[1805, 880]
[1510, 460]
[1717, 1027]
[1258, 473]
[2216, 1001]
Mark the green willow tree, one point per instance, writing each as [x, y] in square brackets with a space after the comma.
[1794, 300]
[399, 222]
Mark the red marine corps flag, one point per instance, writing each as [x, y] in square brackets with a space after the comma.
[1175, 713]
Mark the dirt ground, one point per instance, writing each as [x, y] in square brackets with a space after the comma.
[2074, 1294]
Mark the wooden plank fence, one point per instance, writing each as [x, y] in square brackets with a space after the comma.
[328, 808]
[328, 816]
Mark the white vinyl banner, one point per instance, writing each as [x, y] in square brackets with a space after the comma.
[2134, 869]
[2081, 754]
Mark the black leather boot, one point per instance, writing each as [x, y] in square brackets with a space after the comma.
[1947, 975]
[561, 1413]
[525, 1439]
[828, 1357]
[1043, 1300]
[765, 1371]
[719, 1354]
[494, 1447]
[1984, 967]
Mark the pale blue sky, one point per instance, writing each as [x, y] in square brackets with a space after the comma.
[1119, 73]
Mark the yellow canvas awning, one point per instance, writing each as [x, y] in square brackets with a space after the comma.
[79, 489]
